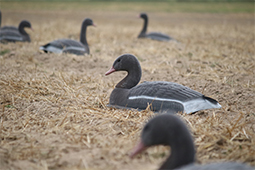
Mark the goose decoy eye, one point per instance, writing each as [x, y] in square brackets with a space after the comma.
[118, 60]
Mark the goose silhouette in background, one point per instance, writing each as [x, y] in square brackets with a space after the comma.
[152, 35]
[160, 96]
[71, 46]
[13, 34]
[168, 129]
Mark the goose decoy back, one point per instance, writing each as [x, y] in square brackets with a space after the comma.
[160, 96]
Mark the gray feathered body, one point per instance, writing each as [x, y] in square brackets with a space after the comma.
[162, 96]
[66, 46]
[158, 36]
[12, 36]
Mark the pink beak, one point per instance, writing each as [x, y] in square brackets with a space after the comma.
[110, 71]
[137, 149]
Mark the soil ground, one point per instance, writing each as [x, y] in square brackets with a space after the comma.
[53, 106]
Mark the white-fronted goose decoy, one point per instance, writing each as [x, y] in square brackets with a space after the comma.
[71, 46]
[168, 129]
[152, 35]
[13, 34]
[160, 95]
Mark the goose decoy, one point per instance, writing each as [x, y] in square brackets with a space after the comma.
[159, 95]
[13, 34]
[152, 35]
[168, 129]
[71, 46]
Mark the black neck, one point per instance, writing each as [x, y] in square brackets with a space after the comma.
[83, 38]
[182, 153]
[22, 30]
[143, 32]
[132, 79]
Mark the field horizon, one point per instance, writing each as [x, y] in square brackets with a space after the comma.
[172, 7]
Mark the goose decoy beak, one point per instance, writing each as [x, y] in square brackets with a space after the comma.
[140, 147]
[110, 71]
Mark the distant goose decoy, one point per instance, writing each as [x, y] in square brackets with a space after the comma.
[152, 35]
[68, 45]
[13, 34]
[160, 95]
[168, 129]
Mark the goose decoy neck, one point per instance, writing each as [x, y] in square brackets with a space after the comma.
[128, 82]
[129, 63]
[85, 23]
[145, 18]
[168, 129]
[180, 155]
[22, 25]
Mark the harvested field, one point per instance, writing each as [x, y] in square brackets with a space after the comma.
[53, 107]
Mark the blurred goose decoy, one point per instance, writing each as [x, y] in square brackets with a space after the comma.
[152, 35]
[68, 45]
[13, 34]
[159, 95]
[168, 129]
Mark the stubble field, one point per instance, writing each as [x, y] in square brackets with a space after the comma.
[53, 107]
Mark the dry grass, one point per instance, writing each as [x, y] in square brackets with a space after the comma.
[53, 107]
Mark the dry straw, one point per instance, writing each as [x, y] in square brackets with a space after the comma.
[54, 112]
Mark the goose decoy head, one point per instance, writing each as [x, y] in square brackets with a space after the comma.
[88, 22]
[165, 129]
[143, 15]
[150, 134]
[25, 24]
[125, 62]
[154, 133]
